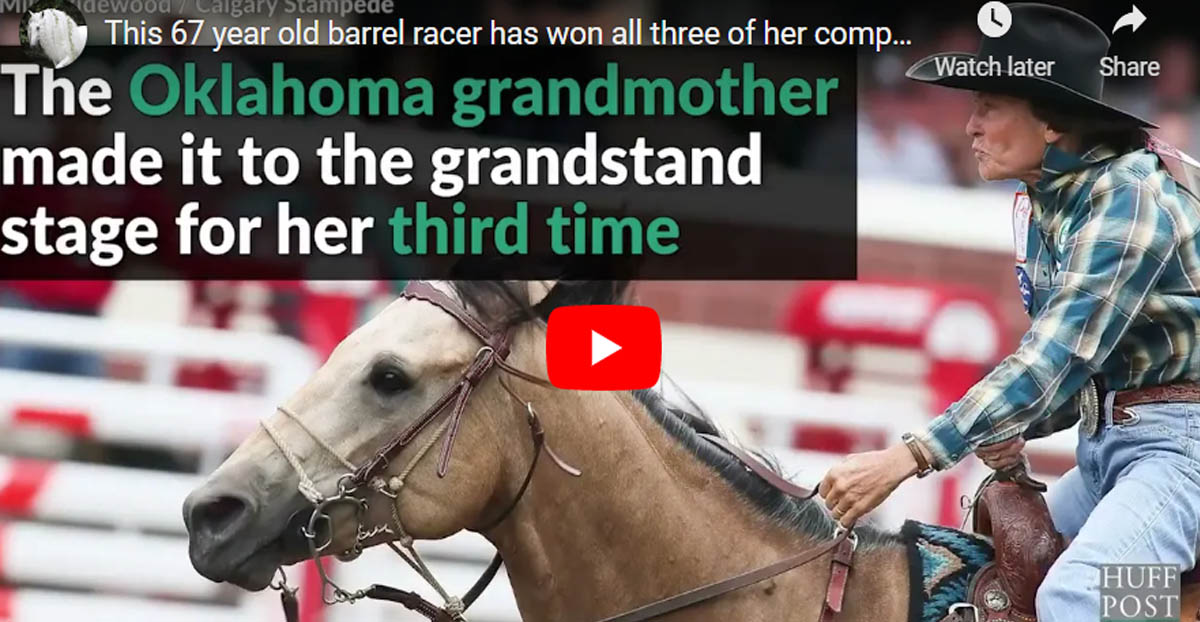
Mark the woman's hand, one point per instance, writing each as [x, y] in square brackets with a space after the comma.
[1002, 455]
[860, 482]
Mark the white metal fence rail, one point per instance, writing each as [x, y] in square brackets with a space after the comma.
[99, 543]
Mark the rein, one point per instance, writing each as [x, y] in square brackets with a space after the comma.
[367, 477]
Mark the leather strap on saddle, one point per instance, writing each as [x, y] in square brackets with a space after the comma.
[1012, 511]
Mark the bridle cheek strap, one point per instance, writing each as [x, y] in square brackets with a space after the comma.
[460, 405]
[487, 358]
[497, 344]
[457, 396]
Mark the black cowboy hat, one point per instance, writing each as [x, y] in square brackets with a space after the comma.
[1043, 33]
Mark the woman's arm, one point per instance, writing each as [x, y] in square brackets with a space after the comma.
[1113, 258]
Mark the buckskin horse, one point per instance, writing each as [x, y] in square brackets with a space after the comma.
[431, 418]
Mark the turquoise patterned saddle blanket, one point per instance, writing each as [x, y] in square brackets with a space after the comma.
[941, 563]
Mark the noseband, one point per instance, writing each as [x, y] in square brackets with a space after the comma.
[369, 478]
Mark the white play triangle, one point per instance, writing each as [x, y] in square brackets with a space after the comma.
[602, 347]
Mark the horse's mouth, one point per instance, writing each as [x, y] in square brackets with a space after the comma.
[256, 571]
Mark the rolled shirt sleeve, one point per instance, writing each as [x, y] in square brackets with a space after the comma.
[1115, 252]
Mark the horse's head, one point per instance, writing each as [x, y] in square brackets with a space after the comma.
[35, 26]
[57, 35]
[247, 518]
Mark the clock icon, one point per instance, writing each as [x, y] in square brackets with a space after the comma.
[994, 19]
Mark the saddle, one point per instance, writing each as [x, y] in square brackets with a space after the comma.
[1010, 509]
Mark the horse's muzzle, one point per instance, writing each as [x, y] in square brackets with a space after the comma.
[231, 539]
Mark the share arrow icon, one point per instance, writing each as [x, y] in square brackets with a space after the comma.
[1133, 19]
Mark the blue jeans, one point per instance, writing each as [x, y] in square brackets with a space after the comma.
[1133, 497]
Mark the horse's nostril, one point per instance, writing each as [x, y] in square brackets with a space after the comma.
[219, 514]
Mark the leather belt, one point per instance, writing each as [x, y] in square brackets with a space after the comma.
[1187, 392]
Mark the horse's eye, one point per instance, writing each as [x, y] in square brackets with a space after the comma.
[388, 380]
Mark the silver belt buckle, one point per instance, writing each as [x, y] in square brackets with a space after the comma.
[1089, 408]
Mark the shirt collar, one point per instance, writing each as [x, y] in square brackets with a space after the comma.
[1059, 166]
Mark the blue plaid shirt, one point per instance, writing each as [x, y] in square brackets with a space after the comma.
[1111, 280]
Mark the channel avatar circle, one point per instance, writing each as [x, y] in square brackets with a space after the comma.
[53, 33]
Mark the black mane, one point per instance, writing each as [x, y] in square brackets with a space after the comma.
[504, 302]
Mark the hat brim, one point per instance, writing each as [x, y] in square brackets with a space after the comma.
[1034, 87]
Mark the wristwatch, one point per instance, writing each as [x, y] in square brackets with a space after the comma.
[914, 446]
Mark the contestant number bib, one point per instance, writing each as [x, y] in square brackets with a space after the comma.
[1022, 208]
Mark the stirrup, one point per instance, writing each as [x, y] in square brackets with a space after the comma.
[955, 608]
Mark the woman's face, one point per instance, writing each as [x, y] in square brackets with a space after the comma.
[1008, 141]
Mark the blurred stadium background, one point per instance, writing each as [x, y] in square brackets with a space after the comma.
[116, 396]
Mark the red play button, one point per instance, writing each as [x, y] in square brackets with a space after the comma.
[604, 347]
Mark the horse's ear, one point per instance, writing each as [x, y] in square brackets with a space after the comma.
[567, 293]
[539, 291]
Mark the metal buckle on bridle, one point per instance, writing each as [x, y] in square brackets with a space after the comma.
[280, 583]
[346, 488]
[531, 416]
[479, 360]
[852, 537]
[345, 495]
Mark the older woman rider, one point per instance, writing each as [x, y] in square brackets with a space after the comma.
[1108, 264]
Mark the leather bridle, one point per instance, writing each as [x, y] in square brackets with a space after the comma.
[369, 477]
